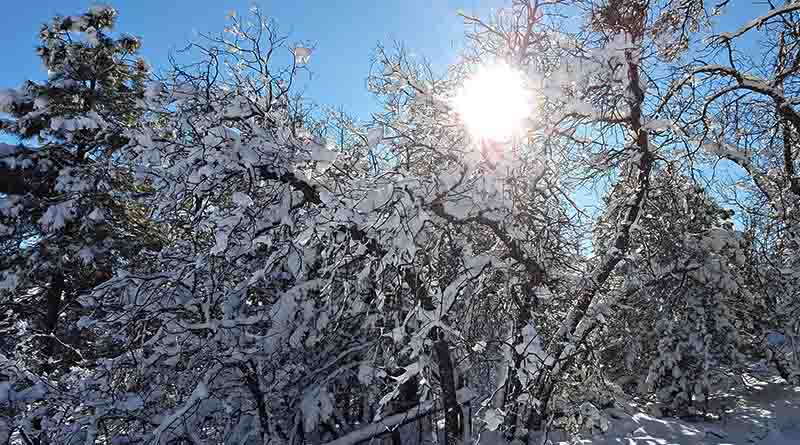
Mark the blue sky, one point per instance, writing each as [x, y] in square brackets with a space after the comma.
[345, 34]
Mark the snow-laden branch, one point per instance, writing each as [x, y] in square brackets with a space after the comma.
[387, 424]
[749, 83]
[200, 392]
[536, 271]
[760, 21]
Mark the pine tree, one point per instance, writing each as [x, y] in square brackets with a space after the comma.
[65, 226]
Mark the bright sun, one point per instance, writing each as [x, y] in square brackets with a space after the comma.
[493, 102]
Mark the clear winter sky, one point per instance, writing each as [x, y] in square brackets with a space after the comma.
[345, 33]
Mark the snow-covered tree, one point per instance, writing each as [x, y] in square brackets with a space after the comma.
[739, 111]
[205, 257]
[66, 222]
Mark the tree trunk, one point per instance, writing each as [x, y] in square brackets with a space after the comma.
[452, 411]
[54, 292]
[408, 398]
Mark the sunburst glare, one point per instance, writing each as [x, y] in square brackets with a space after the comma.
[494, 102]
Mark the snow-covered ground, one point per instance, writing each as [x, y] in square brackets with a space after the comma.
[764, 410]
[767, 412]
